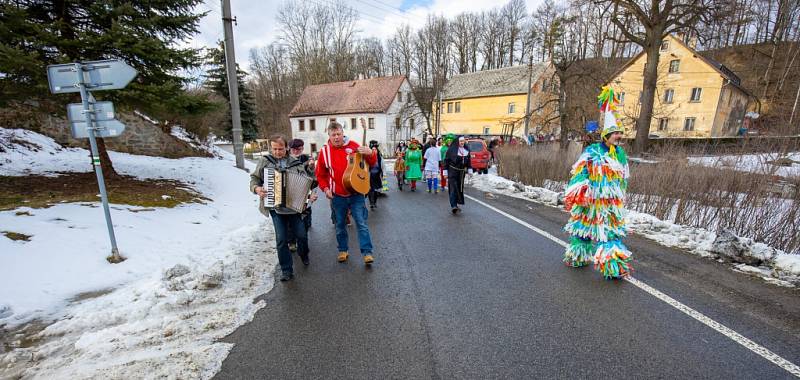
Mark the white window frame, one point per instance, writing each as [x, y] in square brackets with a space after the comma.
[665, 45]
[663, 124]
[677, 66]
[512, 107]
[687, 126]
[669, 96]
[699, 92]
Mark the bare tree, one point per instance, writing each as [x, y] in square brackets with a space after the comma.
[646, 23]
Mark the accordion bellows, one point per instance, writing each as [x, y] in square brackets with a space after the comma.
[286, 190]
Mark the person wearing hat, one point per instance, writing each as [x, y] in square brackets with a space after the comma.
[595, 199]
[457, 164]
[413, 164]
[448, 139]
[296, 151]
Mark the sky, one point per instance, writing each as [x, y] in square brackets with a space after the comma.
[256, 25]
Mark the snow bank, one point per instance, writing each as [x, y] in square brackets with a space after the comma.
[757, 163]
[773, 265]
[23, 152]
[143, 321]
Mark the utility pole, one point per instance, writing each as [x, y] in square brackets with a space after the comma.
[528, 103]
[233, 83]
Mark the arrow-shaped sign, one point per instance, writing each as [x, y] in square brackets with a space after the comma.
[110, 74]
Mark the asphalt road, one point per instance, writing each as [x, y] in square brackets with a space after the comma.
[478, 296]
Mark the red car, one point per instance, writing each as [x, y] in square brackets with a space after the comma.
[479, 155]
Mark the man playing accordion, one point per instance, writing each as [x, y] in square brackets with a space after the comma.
[285, 216]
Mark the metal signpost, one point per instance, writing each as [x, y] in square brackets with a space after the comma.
[91, 119]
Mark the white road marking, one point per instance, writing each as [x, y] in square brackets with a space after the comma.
[722, 329]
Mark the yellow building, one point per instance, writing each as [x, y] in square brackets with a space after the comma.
[695, 96]
[486, 103]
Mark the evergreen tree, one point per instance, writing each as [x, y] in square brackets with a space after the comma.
[217, 81]
[34, 34]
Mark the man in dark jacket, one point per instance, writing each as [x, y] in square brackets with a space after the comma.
[283, 219]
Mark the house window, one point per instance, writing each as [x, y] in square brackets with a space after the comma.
[399, 96]
[397, 123]
[663, 124]
[688, 124]
[544, 84]
[622, 98]
[674, 65]
[458, 107]
[302, 125]
[668, 94]
[352, 123]
[312, 125]
[313, 148]
[696, 94]
[512, 107]
[411, 124]
[640, 97]
[371, 123]
[449, 107]
[485, 130]
[664, 45]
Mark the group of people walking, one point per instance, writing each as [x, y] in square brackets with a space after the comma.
[443, 163]
[594, 196]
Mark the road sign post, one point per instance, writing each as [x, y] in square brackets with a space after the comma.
[91, 119]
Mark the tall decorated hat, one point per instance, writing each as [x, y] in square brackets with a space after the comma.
[608, 102]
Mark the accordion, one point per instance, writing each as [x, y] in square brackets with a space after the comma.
[286, 189]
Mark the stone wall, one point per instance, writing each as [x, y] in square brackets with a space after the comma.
[140, 136]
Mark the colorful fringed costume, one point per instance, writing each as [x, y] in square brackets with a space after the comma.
[595, 200]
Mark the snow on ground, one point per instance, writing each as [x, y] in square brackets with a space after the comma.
[759, 163]
[778, 267]
[190, 276]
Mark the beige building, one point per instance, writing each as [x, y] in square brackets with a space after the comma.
[492, 102]
[695, 96]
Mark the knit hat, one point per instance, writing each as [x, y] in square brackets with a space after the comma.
[295, 144]
[449, 138]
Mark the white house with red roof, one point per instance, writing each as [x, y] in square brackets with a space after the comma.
[387, 104]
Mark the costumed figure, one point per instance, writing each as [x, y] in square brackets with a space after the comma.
[443, 149]
[413, 164]
[457, 165]
[400, 170]
[375, 175]
[595, 200]
[433, 157]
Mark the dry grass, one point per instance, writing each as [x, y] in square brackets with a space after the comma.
[758, 204]
[38, 191]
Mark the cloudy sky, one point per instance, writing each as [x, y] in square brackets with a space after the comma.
[256, 24]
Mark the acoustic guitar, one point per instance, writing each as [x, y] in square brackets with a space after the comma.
[356, 177]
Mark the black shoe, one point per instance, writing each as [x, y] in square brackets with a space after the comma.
[287, 276]
[372, 207]
[454, 210]
[304, 259]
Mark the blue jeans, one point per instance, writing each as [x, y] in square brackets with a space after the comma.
[355, 203]
[283, 224]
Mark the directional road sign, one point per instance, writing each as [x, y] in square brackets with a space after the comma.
[105, 123]
[111, 74]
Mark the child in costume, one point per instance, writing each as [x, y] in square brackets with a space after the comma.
[595, 200]
[400, 170]
[413, 164]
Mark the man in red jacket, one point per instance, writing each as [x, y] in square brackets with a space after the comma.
[331, 165]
